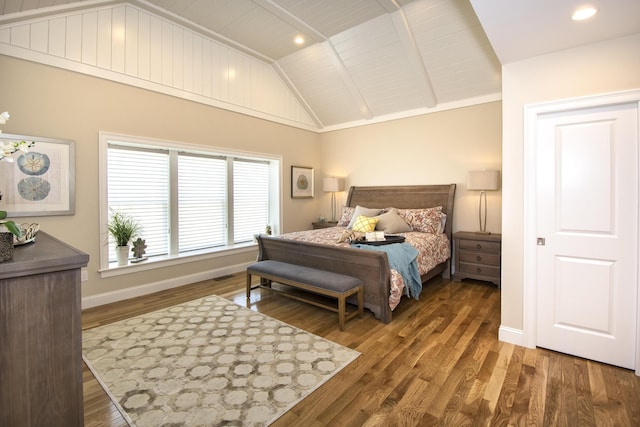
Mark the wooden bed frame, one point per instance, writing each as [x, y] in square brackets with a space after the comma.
[372, 267]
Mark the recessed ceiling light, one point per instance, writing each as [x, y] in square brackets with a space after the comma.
[584, 13]
[299, 40]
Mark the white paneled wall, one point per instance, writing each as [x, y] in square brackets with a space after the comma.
[133, 46]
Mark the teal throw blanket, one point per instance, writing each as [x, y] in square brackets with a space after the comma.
[402, 258]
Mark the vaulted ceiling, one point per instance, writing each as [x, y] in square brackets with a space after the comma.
[371, 60]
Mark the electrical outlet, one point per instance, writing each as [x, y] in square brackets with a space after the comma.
[84, 276]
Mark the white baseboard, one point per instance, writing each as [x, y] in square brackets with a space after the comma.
[511, 335]
[136, 291]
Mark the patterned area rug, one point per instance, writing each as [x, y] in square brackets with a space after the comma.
[209, 362]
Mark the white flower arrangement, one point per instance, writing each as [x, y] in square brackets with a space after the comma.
[6, 155]
[8, 149]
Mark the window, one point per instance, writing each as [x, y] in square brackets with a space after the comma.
[188, 200]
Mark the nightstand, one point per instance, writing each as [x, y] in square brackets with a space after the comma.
[325, 224]
[477, 256]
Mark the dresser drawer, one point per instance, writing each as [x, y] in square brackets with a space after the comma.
[479, 269]
[480, 258]
[479, 245]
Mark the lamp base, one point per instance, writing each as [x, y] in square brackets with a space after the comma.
[483, 232]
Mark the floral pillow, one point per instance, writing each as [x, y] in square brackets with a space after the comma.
[345, 218]
[428, 220]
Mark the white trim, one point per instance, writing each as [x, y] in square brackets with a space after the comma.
[469, 102]
[511, 335]
[531, 114]
[136, 291]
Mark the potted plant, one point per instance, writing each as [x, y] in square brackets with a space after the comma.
[123, 228]
[8, 229]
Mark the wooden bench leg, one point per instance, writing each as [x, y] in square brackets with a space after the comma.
[248, 289]
[361, 302]
[342, 310]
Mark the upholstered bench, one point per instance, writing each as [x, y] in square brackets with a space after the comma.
[325, 283]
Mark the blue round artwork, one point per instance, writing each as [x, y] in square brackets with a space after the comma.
[302, 183]
[33, 163]
[34, 189]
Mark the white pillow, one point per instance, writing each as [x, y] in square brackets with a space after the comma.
[364, 212]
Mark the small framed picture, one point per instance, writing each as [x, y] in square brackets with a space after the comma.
[40, 182]
[301, 182]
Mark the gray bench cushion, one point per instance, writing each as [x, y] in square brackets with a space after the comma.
[310, 276]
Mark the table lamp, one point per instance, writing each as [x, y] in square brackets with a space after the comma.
[333, 185]
[483, 181]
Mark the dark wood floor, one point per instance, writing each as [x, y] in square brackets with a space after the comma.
[438, 363]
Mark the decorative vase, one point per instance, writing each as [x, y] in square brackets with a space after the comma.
[6, 246]
[122, 253]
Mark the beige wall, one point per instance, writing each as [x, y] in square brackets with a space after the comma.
[438, 148]
[604, 67]
[50, 102]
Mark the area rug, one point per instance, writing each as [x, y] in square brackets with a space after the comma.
[208, 362]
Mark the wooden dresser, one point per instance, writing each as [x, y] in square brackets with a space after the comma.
[477, 256]
[41, 335]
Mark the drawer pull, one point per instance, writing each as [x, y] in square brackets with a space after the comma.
[478, 258]
[478, 270]
[478, 246]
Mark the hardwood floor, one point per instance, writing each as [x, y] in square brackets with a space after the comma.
[437, 363]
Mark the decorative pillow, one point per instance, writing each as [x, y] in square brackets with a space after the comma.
[426, 220]
[391, 222]
[359, 210]
[364, 224]
[443, 222]
[347, 214]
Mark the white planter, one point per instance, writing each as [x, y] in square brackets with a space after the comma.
[122, 252]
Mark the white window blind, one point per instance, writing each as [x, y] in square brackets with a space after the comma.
[202, 202]
[250, 199]
[138, 184]
[189, 201]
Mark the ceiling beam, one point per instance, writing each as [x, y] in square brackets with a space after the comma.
[415, 59]
[346, 78]
[297, 94]
[291, 19]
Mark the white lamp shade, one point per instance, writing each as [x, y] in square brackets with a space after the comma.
[333, 184]
[483, 180]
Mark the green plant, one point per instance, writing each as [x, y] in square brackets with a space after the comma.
[11, 226]
[123, 227]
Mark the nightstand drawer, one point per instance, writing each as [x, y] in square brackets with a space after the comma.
[478, 245]
[480, 258]
[480, 270]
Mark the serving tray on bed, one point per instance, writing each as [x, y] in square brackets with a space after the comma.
[388, 239]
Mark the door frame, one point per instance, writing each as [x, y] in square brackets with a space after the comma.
[532, 112]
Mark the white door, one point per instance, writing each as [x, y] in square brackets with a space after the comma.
[587, 214]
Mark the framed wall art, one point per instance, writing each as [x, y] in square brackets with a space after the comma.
[40, 182]
[301, 182]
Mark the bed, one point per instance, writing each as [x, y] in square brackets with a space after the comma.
[370, 266]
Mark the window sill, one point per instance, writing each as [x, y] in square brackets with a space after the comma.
[113, 269]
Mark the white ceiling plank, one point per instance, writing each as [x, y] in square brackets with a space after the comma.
[380, 56]
[414, 57]
[346, 79]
